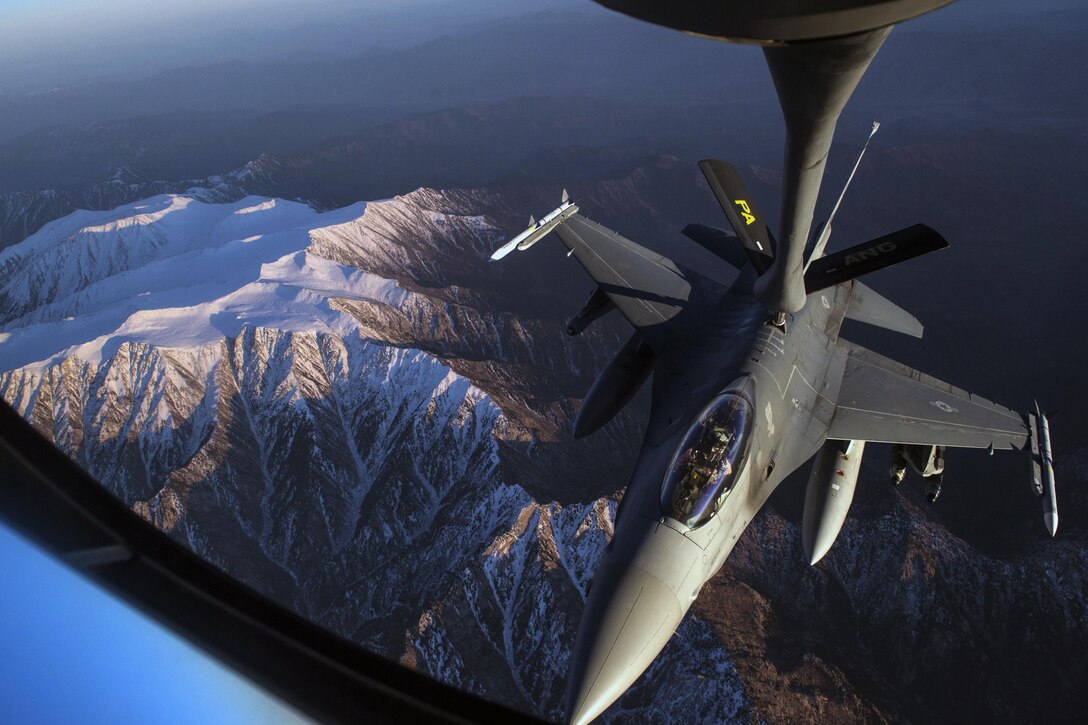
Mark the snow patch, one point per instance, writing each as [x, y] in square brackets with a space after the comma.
[175, 272]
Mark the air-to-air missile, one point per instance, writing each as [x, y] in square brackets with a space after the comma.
[1042, 468]
[538, 229]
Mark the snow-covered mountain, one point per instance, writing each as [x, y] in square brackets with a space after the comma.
[343, 437]
[24, 212]
[353, 412]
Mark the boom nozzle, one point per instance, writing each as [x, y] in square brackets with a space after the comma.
[816, 52]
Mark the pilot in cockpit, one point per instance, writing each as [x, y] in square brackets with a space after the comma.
[706, 463]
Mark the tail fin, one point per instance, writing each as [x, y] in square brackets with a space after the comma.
[869, 257]
[739, 208]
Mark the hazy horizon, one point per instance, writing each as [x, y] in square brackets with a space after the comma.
[73, 41]
[48, 45]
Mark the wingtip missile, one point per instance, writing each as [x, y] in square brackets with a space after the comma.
[506, 248]
[1050, 493]
[1043, 482]
[537, 230]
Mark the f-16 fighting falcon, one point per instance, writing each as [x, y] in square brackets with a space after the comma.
[751, 378]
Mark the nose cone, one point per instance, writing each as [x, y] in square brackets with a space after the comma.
[630, 616]
[1050, 518]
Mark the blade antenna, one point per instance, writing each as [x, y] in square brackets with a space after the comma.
[825, 233]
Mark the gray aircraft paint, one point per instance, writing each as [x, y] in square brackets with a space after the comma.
[792, 375]
[814, 82]
[807, 388]
[817, 54]
[828, 495]
[709, 339]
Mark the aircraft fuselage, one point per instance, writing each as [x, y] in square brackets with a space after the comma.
[655, 565]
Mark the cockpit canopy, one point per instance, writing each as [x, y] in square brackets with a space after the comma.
[706, 463]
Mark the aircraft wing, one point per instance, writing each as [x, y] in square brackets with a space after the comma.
[885, 401]
[648, 289]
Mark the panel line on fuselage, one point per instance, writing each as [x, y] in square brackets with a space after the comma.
[805, 380]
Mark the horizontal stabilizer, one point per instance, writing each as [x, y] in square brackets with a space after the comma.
[736, 202]
[869, 257]
[718, 242]
[874, 309]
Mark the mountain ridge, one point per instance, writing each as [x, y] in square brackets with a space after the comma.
[313, 461]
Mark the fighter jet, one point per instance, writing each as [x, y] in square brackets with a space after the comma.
[750, 376]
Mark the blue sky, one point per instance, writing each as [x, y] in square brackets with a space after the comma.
[73, 653]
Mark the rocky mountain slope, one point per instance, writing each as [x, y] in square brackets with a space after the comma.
[353, 412]
[351, 440]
